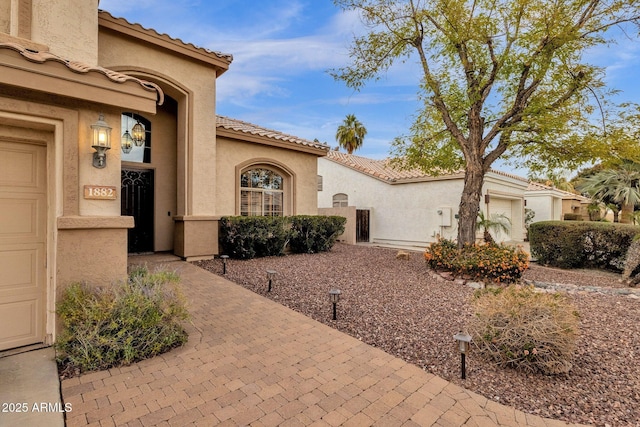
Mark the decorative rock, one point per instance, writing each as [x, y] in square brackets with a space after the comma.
[475, 285]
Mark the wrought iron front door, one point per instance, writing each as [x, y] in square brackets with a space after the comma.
[137, 201]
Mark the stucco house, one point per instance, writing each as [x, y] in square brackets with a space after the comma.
[407, 208]
[551, 204]
[110, 144]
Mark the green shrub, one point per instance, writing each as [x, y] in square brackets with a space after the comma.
[312, 234]
[581, 244]
[572, 217]
[246, 237]
[496, 263]
[520, 328]
[120, 324]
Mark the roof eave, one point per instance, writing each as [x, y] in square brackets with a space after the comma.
[258, 139]
[220, 62]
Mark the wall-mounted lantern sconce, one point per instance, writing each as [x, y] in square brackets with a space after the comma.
[270, 274]
[137, 133]
[487, 199]
[463, 339]
[334, 296]
[101, 142]
[126, 142]
[224, 259]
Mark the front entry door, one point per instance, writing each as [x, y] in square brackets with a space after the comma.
[137, 201]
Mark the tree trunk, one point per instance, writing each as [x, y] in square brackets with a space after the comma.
[626, 213]
[470, 204]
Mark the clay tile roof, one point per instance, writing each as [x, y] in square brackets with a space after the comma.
[536, 186]
[225, 56]
[381, 169]
[80, 67]
[251, 129]
[384, 170]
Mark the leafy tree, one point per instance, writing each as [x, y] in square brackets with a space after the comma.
[615, 186]
[350, 134]
[499, 79]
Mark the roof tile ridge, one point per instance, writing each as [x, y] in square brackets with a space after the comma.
[227, 56]
[40, 57]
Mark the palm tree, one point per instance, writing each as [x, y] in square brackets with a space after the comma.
[350, 134]
[619, 186]
[497, 223]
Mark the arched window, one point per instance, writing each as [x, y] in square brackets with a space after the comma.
[261, 193]
[135, 151]
[340, 200]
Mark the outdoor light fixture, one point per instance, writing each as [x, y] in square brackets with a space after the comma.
[126, 142]
[101, 142]
[334, 296]
[224, 259]
[137, 132]
[463, 339]
[270, 274]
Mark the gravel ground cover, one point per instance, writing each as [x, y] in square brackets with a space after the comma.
[407, 310]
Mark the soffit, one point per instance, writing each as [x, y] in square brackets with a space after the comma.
[219, 60]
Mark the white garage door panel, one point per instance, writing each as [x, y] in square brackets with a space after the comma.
[23, 212]
[19, 217]
[501, 206]
[16, 323]
[20, 268]
[20, 167]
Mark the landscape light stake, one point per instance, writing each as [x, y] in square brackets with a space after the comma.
[224, 259]
[463, 340]
[270, 274]
[334, 295]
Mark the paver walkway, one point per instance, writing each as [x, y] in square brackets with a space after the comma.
[251, 361]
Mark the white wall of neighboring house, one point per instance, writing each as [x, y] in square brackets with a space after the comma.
[413, 214]
[547, 206]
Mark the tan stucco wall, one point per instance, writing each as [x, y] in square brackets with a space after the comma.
[69, 28]
[303, 167]
[95, 256]
[196, 135]
[349, 212]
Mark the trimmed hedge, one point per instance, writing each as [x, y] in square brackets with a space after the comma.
[246, 237]
[311, 234]
[581, 244]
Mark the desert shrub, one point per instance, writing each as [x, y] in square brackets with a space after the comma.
[246, 237]
[120, 324]
[490, 262]
[520, 328]
[311, 234]
[581, 244]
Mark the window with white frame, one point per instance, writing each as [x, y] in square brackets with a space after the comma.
[340, 200]
[261, 193]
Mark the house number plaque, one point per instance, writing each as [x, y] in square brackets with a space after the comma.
[100, 192]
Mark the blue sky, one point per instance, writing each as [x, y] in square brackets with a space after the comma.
[282, 50]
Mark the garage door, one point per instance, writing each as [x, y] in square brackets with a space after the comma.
[23, 209]
[497, 207]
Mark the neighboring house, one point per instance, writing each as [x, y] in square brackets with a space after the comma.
[551, 204]
[408, 208]
[70, 77]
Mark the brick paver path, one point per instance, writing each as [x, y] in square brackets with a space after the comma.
[251, 361]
